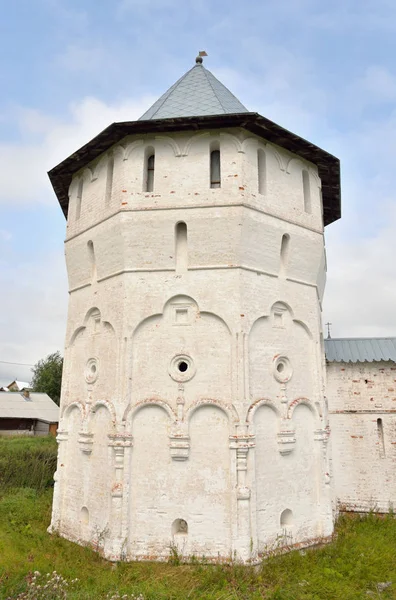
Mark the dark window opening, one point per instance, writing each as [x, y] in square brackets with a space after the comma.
[215, 175]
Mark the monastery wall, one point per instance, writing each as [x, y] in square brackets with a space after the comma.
[362, 413]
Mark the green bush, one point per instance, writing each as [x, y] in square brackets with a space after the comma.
[27, 462]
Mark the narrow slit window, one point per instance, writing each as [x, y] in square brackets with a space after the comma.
[262, 171]
[215, 174]
[109, 179]
[79, 197]
[307, 191]
[150, 173]
[381, 440]
[181, 248]
[92, 261]
[284, 253]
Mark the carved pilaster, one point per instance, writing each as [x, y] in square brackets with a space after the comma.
[242, 444]
[179, 446]
[286, 438]
[85, 441]
[119, 442]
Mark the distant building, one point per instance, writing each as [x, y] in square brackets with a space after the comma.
[28, 414]
[361, 391]
[17, 386]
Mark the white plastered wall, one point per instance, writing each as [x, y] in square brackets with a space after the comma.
[188, 447]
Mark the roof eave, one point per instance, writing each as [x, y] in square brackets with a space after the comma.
[328, 165]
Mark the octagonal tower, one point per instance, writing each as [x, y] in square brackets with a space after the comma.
[193, 413]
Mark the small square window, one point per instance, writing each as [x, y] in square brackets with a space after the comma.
[278, 319]
[182, 315]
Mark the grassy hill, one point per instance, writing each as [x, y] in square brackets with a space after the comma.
[362, 555]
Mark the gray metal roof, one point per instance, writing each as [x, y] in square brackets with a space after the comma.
[38, 406]
[360, 349]
[196, 94]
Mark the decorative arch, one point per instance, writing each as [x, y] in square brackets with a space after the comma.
[305, 402]
[86, 174]
[296, 160]
[75, 335]
[73, 186]
[94, 311]
[283, 305]
[172, 143]
[228, 409]
[251, 141]
[316, 177]
[214, 316]
[238, 145]
[73, 405]
[256, 405]
[131, 147]
[271, 150]
[119, 150]
[192, 140]
[107, 405]
[145, 321]
[304, 327]
[179, 298]
[100, 164]
[131, 411]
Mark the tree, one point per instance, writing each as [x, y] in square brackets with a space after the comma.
[47, 376]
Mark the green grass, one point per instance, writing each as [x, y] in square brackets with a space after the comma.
[362, 555]
[27, 462]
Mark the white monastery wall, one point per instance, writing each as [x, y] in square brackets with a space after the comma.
[230, 455]
[362, 405]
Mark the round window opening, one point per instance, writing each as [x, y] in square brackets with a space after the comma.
[282, 369]
[181, 368]
[91, 370]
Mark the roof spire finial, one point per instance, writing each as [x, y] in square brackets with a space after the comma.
[199, 59]
[328, 330]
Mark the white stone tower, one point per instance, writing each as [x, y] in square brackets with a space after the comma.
[193, 408]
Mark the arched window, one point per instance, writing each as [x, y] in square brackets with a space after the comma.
[181, 248]
[79, 197]
[286, 518]
[150, 167]
[215, 171]
[307, 191]
[261, 171]
[381, 441]
[92, 261]
[109, 179]
[284, 253]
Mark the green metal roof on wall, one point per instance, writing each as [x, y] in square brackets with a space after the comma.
[360, 349]
[196, 94]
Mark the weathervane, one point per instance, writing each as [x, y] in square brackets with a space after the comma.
[199, 59]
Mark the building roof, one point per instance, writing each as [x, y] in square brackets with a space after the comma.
[360, 349]
[199, 91]
[38, 406]
[21, 385]
[195, 94]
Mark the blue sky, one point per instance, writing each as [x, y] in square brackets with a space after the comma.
[69, 68]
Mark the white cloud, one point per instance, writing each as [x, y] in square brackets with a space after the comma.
[32, 313]
[46, 141]
[360, 298]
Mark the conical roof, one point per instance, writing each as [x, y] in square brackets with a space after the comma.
[197, 93]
